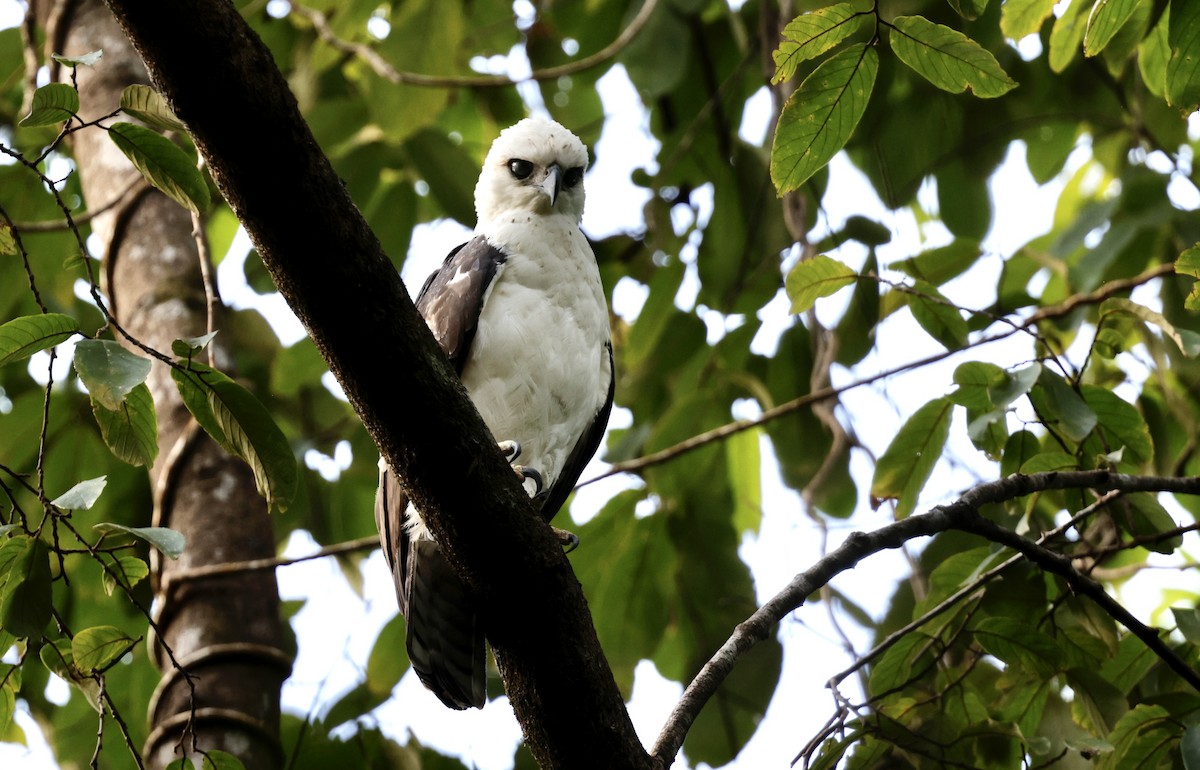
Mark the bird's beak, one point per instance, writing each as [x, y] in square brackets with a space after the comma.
[552, 184]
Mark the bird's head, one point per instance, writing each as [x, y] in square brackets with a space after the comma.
[534, 167]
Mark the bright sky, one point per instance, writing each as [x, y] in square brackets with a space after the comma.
[337, 627]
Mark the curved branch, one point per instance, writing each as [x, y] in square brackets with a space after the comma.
[962, 515]
[384, 69]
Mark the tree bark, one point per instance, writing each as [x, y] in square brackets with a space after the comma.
[334, 275]
[224, 632]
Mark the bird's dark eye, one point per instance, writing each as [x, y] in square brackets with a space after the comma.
[520, 168]
[572, 177]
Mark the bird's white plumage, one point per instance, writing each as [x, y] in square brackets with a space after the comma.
[538, 369]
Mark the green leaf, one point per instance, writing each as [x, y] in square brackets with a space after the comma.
[1148, 518]
[94, 648]
[819, 117]
[131, 430]
[388, 659]
[52, 103]
[975, 381]
[1049, 461]
[1106, 20]
[190, 346]
[1187, 621]
[163, 163]
[1189, 747]
[1067, 34]
[109, 371]
[1061, 407]
[243, 427]
[58, 659]
[941, 264]
[168, 541]
[145, 104]
[947, 58]
[811, 34]
[82, 496]
[937, 316]
[1141, 739]
[968, 9]
[126, 571]
[1186, 340]
[216, 759]
[85, 60]
[1019, 18]
[21, 337]
[814, 278]
[1183, 68]
[1121, 423]
[907, 463]
[25, 599]
[1019, 643]
[8, 244]
[1187, 264]
[743, 462]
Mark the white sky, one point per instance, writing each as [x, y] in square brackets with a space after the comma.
[337, 627]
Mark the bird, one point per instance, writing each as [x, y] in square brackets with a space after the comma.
[520, 311]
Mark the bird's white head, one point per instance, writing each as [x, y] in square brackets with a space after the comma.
[534, 167]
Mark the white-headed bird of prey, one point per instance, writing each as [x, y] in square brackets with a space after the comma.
[520, 311]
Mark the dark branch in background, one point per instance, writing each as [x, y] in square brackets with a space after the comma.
[963, 515]
[335, 276]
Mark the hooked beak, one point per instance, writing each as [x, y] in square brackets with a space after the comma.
[552, 184]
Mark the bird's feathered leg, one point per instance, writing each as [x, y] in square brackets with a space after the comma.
[512, 450]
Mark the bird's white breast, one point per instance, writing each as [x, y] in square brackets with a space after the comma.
[538, 371]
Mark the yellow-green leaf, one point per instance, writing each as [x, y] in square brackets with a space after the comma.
[1067, 34]
[1019, 18]
[819, 117]
[52, 103]
[145, 104]
[1187, 264]
[163, 163]
[907, 463]
[1183, 68]
[814, 278]
[21, 337]
[811, 34]
[94, 648]
[947, 58]
[1108, 16]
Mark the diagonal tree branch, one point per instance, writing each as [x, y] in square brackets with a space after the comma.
[334, 274]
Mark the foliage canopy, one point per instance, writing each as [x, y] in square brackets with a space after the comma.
[1004, 648]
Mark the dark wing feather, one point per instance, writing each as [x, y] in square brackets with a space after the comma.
[452, 298]
[584, 448]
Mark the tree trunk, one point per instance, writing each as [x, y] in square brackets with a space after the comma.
[224, 633]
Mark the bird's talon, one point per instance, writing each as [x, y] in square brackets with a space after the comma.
[511, 450]
[568, 540]
[532, 474]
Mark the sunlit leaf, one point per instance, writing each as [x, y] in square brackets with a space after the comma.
[88, 59]
[168, 541]
[145, 104]
[1019, 18]
[8, 244]
[22, 337]
[58, 658]
[811, 34]
[94, 648]
[81, 496]
[968, 9]
[190, 346]
[821, 114]
[814, 278]
[907, 463]
[131, 430]
[243, 427]
[744, 463]
[1141, 738]
[947, 58]
[163, 163]
[1188, 264]
[1106, 20]
[1066, 36]
[126, 571]
[52, 103]
[1188, 341]
[1183, 68]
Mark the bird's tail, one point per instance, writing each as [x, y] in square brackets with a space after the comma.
[444, 633]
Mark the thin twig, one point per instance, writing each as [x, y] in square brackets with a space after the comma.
[252, 565]
[385, 70]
